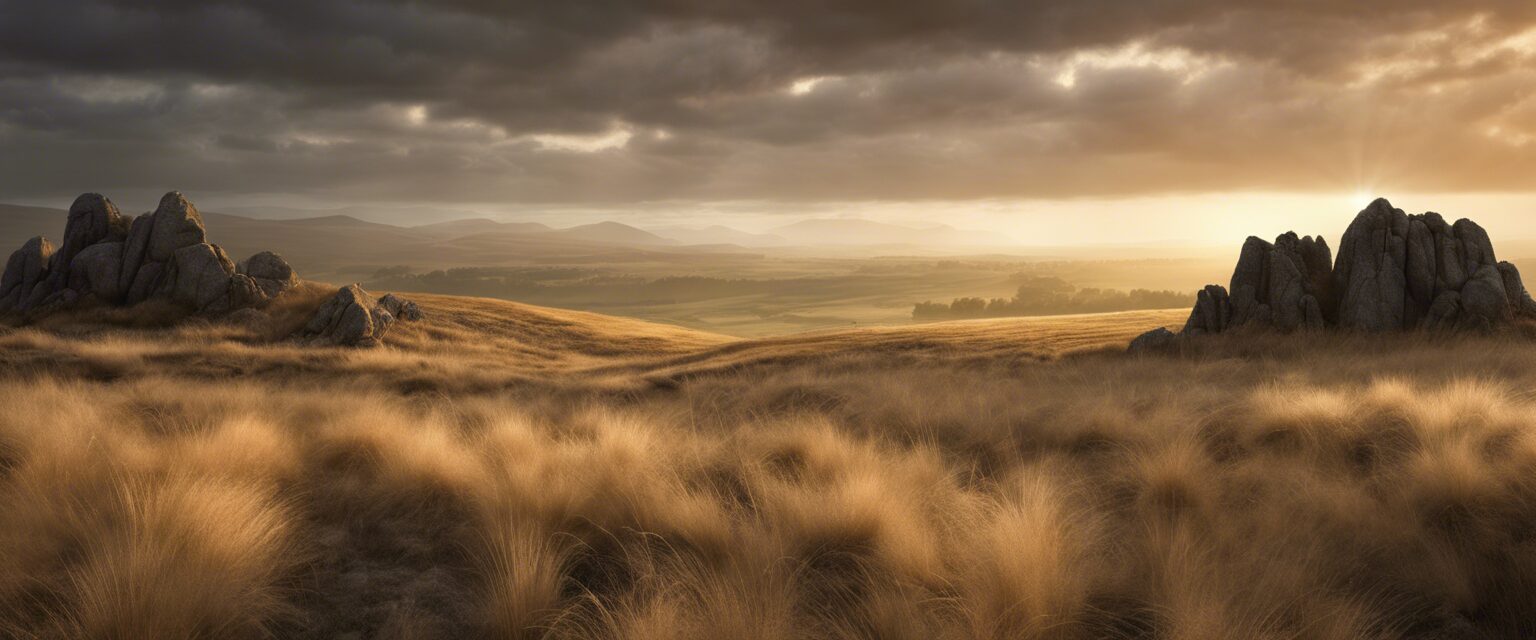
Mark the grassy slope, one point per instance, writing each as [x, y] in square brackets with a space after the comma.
[1009, 339]
[485, 339]
[997, 479]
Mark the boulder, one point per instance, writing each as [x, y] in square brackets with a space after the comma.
[25, 268]
[198, 275]
[270, 272]
[92, 219]
[243, 293]
[177, 225]
[400, 308]
[351, 318]
[1158, 339]
[96, 269]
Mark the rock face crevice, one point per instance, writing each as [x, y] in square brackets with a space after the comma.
[1394, 272]
[111, 259]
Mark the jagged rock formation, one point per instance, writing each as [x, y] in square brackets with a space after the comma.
[110, 259]
[1283, 285]
[1395, 271]
[1399, 271]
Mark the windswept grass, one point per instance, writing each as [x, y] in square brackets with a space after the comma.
[1328, 487]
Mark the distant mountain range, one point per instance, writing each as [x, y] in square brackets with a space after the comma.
[340, 246]
[400, 216]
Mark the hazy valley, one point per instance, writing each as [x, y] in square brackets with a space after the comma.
[830, 274]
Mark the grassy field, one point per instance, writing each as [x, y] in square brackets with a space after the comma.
[507, 471]
[774, 293]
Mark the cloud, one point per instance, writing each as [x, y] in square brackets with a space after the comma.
[609, 101]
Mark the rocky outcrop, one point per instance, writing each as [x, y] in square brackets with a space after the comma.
[1282, 285]
[400, 308]
[109, 259]
[165, 255]
[353, 318]
[1394, 271]
[26, 268]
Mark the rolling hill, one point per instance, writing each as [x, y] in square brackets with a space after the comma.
[472, 226]
[612, 233]
[481, 338]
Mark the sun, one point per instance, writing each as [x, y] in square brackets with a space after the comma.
[1361, 198]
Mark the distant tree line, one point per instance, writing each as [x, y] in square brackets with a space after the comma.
[1050, 295]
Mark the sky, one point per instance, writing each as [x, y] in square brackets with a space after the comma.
[1047, 121]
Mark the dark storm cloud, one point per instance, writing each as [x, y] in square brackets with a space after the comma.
[733, 99]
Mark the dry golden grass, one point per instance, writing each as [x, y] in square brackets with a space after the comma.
[510, 472]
